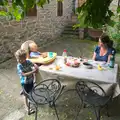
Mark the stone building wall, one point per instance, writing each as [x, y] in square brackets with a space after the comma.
[43, 28]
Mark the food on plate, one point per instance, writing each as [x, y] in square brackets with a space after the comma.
[99, 67]
[73, 62]
[57, 67]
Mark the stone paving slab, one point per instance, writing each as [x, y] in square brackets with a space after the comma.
[11, 103]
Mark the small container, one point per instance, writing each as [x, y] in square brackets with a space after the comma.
[50, 54]
[64, 55]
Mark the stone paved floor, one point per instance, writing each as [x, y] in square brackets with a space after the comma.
[11, 103]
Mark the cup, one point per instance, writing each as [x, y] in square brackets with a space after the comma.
[50, 54]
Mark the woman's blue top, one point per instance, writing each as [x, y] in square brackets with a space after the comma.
[102, 58]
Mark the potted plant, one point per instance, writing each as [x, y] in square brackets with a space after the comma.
[93, 14]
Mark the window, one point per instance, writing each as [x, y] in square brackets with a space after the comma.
[59, 8]
[32, 11]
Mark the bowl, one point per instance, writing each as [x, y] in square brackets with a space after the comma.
[88, 65]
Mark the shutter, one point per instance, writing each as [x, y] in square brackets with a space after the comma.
[59, 8]
[32, 11]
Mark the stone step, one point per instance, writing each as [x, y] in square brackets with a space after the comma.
[70, 29]
[70, 33]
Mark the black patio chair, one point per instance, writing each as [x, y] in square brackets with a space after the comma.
[93, 95]
[46, 92]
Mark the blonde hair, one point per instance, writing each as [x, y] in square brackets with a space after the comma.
[20, 54]
[33, 46]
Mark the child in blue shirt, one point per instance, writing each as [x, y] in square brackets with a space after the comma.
[34, 51]
[25, 72]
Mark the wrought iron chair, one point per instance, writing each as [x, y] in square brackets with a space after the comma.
[92, 94]
[46, 92]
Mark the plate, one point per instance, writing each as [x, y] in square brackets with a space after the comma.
[87, 65]
[42, 60]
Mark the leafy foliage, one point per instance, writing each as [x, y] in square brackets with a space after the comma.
[94, 13]
[18, 8]
[114, 31]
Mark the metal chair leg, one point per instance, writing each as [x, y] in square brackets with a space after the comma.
[107, 111]
[55, 110]
[28, 108]
[36, 110]
[79, 110]
[97, 113]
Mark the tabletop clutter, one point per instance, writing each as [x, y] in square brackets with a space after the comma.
[79, 61]
[70, 67]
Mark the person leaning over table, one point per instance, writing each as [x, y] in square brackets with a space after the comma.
[103, 51]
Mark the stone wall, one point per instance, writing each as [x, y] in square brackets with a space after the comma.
[43, 29]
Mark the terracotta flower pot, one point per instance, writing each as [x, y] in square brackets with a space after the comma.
[95, 33]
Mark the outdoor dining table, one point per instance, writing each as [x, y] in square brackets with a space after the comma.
[106, 78]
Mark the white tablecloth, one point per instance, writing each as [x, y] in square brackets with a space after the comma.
[106, 78]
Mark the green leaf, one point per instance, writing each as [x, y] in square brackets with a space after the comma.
[118, 9]
[3, 2]
[41, 3]
[78, 10]
[3, 13]
[111, 23]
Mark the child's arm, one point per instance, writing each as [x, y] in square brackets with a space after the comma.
[28, 73]
[31, 72]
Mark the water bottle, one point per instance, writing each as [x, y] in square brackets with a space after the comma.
[112, 60]
[64, 55]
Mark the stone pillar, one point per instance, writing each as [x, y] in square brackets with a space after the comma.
[81, 33]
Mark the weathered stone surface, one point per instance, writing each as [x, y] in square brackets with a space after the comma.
[2, 29]
[14, 23]
[43, 28]
[10, 29]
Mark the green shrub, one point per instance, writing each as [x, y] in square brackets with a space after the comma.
[114, 32]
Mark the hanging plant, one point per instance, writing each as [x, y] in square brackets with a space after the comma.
[94, 13]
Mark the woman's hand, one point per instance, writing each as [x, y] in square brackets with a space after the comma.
[109, 58]
[94, 56]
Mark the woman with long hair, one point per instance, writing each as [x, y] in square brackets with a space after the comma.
[103, 51]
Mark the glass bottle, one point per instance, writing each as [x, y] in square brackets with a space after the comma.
[64, 55]
[112, 60]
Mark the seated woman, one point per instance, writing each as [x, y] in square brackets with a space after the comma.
[33, 48]
[103, 51]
